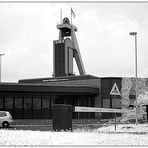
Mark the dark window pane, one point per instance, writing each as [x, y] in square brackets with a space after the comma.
[106, 103]
[116, 103]
[8, 102]
[27, 103]
[68, 101]
[82, 101]
[75, 102]
[1, 102]
[36, 103]
[18, 103]
[92, 102]
[59, 100]
[45, 103]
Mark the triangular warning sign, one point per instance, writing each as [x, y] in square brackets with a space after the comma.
[115, 90]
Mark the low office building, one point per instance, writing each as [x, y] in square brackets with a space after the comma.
[33, 98]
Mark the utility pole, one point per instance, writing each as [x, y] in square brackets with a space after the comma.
[1, 65]
[135, 34]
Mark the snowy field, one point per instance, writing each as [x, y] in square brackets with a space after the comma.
[127, 135]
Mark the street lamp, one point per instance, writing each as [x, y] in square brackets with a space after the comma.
[1, 65]
[135, 34]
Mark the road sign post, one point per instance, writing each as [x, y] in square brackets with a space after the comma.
[115, 91]
[115, 122]
[115, 115]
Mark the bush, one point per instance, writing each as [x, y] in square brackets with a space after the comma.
[131, 118]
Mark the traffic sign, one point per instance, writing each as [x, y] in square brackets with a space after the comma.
[115, 90]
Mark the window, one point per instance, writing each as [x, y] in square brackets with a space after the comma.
[82, 101]
[27, 103]
[1, 102]
[45, 103]
[18, 103]
[106, 103]
[8, 103]
[59, 100]
[75, 101]
[116, 103]
[36, 103]
[92, 102]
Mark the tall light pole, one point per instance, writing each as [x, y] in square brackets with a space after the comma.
[1, 65]
[135, 34]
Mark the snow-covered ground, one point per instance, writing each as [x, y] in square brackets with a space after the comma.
[127, 135]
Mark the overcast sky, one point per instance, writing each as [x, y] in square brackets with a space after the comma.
[27, 32]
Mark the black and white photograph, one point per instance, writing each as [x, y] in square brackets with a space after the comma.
[73, 73]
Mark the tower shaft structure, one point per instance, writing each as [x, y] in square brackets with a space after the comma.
[65, 50]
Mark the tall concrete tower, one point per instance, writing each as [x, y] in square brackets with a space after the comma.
[65, 50]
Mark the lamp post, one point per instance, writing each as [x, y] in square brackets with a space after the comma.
[135, 34]
[1, 65]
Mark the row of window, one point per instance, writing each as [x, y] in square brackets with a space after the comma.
[115, 103]
[44, 103]
[40, 108]
[24, 102]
